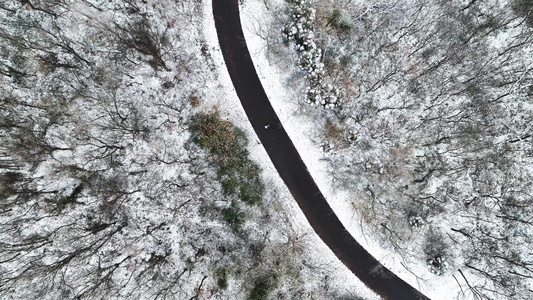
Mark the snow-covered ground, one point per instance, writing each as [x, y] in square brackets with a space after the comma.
[300, 127]
[226, 100]
[159, 63]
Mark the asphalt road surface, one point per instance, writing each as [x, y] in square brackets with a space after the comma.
[289, 164]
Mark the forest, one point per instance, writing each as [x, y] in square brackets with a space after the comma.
[423, 110]
[124, 173]
[120, 178]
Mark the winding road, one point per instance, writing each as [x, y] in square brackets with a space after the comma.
[290, 166]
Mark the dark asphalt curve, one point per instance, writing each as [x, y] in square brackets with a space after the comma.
[289, 164]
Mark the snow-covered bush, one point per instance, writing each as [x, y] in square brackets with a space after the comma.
[337, 137]
[436, 251]
[415, 221]
[262, 287]
[300, 31]
[238, 175]
[437, 265]
[337, 20]
[523, 8]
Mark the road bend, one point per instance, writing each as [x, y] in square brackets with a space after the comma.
[289, 164]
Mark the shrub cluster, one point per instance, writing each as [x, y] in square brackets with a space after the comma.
[300, 30]
[262, 287]
[237, 174]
